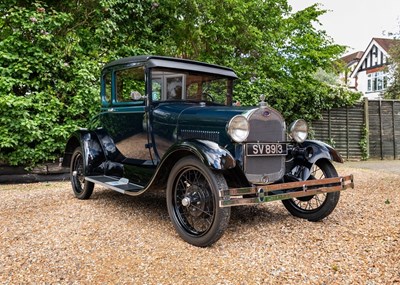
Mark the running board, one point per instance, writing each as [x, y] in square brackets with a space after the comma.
[121, 185]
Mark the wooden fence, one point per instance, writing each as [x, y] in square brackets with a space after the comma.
[368, 129]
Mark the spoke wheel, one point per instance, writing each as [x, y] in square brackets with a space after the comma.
[192, 200]
[82, 188]
[315, 207]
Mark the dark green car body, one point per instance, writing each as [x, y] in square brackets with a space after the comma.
[158, 113]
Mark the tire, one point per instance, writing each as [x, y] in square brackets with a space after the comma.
[317, 207]
[193, 202]
[82, 189]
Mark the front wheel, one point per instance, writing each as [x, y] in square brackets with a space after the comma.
[193, 202]
[316, 207]
[82, 189]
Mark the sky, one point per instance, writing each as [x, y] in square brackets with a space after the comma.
[354, 23]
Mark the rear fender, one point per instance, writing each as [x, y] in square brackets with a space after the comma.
[319, 150]
[93, 154]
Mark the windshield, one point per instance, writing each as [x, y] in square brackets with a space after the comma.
[169, 84]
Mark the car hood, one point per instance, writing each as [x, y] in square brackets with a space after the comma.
[196, 115]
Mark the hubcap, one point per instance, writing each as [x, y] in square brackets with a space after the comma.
[194, 205]
[186, 202]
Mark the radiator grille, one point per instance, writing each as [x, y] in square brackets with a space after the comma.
[266, 126]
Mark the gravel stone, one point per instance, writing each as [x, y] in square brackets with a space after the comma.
[49, 237]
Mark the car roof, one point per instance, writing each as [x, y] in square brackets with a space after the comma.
[171, 62]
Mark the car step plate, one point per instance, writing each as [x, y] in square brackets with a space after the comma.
[121, 185]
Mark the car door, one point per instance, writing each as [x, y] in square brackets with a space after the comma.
[124, 120]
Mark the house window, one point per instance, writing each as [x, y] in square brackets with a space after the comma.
[377, 81]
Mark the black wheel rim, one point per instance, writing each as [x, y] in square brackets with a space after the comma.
[315, 202]
[78, 179]
[193, 202]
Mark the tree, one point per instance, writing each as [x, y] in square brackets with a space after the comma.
[51, 54]
[393, 91]
[46, 85]
[275, 52]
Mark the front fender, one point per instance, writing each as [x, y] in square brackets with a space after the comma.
[321, 150]
[209, 152]
[318, 150]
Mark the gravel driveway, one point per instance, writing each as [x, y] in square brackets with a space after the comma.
[49, 237]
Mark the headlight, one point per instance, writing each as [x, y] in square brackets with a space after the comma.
[238, 128]
[299, 130]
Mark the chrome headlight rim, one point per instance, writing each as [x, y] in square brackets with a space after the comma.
[238, 128]
[298, 130]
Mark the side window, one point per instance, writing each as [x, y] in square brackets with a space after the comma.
[156, 88]
[175, 88]
[130, 84]
[106, 96]
[166, 84]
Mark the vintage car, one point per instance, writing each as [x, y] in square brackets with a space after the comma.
[171, 124]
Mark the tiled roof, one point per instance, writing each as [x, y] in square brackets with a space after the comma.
[356, 56]
[385, 43]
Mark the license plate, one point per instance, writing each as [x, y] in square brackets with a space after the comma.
[266, 149]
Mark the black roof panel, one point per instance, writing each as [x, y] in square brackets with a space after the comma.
[175, 63]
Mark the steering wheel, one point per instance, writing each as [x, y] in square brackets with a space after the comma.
[208, 95]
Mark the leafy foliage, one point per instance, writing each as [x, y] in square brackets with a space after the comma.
[364, 143]
[46, 87]
[52, 53]
[274, 51]
[393, 91]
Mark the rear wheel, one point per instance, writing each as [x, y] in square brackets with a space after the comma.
[82, 189]
[193, 202]
[316, 207]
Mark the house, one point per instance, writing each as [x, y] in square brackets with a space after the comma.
[351, 62]
[367, 71]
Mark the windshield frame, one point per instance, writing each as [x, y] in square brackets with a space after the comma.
[161, 78]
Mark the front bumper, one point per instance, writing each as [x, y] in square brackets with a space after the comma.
[283, 191]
